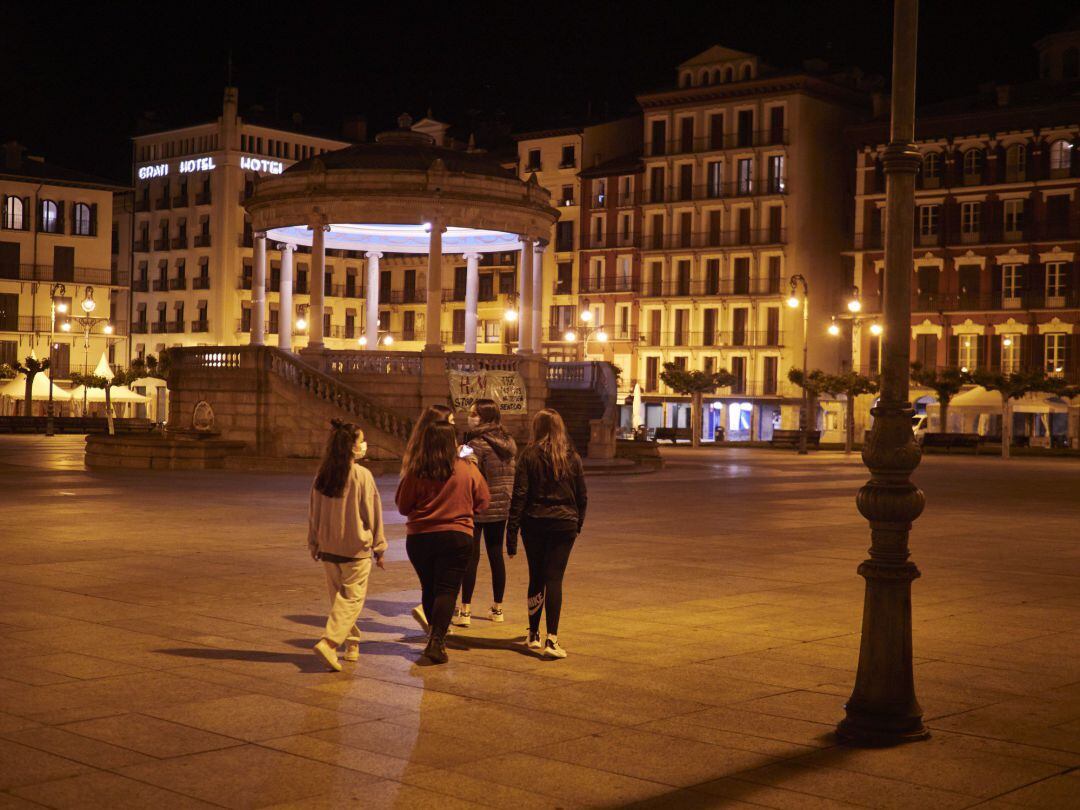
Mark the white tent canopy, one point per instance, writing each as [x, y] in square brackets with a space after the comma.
[119, 393]
[978, 398]
[16, 389]
[103, 369]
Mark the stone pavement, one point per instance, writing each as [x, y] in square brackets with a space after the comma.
[154, 635]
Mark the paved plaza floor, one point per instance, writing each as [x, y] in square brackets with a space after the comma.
[155, 632]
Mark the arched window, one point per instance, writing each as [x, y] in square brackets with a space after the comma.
[1060, 155]
[729, 74]
[13, 214]
[83, 220]
[1016, 161]
[715, 76]
[685, 82]
[1070, 63]
[745, 73]
[973, 163]
[50, 217]
[704, 77]
[931, 166]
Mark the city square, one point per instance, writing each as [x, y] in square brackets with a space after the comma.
[156, 649]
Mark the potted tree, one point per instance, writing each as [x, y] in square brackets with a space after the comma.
[31, 367]
[695, 384]
[946, 383]
[851, 384]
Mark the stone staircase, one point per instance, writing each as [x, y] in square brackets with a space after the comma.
[584, 395]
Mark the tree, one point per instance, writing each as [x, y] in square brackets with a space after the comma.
[31, 367]
[1010, 387]
[107, 384]
[7, 372]
[851, 384]
[814, 383]
[696, 384]
[946, 383]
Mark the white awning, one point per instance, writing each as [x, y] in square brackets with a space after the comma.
[16, 389]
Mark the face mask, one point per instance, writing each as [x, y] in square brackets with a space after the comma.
[474, 421]
[362, 450]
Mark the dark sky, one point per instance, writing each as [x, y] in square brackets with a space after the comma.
[73, 85]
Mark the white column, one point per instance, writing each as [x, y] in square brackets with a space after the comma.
[372, 293]
[433, 326]
[525, 298]
[258, 291]
[285, 305]
[318, 287]
[538, 295]
[472, 299]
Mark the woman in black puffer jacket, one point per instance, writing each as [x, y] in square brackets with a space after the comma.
[496, 453]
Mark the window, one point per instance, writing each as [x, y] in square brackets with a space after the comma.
[776, 174]
[14, 210]
[744, 128]
[1055, 282]
[770, 367]
[1012, 281]
[567, 197]
[776, 125]
[564, 237]
[1014, 217]
[714, 178]
[973, 165]
[564, 282]
[969, 352]
[1015, 162]
[739, 318]
[1060, 156]
[970, 218]
[652, 373]
[622, 321]
[1055, 353]
[931, 166]
[83, 220]
[658, 135]
[708, 326]
[568, 160]
[1010, 354]
[492, 331]
[716, 131]
[928, 219]
[746, 176]
[626, 193]
[50, 217]
[741, 275]
[534, 161]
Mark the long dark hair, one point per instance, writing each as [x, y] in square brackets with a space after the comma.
[432, 413]
[337, 458]
[488, 411]
[552, 443]
[435, 453]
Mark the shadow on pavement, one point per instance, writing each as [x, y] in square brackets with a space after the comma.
[305, 663]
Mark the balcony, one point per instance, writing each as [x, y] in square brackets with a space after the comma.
[179, 283]
[176, 327]
[161, 284]
[715, 239]
[162, 243]
[717, 191]
[180, 201]
[179, 243]
[140, 328]
[141, 246]
[159, 328]
[142, 205]
[46, 272]
[202, 240]
[200, 326]
[200, 283]
[418, 296]
[202, 198]
[614, 284]
[717, 142]
[727, 285]
[140, 285]
[162, 204]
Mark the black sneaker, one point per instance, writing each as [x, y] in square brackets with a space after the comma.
[533, 642]
[435, 651]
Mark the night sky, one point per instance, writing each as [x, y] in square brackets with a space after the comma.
[73, 86]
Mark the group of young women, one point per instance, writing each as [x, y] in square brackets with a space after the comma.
[455, 497]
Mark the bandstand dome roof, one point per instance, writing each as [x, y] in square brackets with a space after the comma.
[384, 196]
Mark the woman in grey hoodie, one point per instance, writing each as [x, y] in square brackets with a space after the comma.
[496, 454]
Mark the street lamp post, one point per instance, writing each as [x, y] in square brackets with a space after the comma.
[56, 290]
[793, 302]
[88, 322]
[883, 709]
[588, 332]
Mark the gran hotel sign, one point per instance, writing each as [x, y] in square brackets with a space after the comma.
[207, 164]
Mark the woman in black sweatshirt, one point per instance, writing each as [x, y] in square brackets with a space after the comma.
[548, 506]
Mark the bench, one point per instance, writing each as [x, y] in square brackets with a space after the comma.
[672, 434]
[790, 438]
[951, 440]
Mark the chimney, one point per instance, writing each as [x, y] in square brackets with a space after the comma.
[1004, 93]
[13, 154]
[354, 129]
[881, 104]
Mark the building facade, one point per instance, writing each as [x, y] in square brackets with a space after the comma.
[60, 284]
[997, 233]
[743, 188]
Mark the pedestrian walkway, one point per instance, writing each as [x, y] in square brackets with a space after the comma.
[155, 634]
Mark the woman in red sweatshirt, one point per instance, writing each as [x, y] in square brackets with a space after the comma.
[439, 493]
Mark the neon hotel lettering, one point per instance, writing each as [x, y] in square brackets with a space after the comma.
[207, 164]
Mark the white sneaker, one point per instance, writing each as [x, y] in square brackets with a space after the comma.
[421, 619]
[462, 618]
[533, 642]
[496, 614]
[352, 652]
[553, 650]
[327, 654]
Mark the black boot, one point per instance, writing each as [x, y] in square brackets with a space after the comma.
[435, 651]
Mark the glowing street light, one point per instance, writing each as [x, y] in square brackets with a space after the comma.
[876, 329]
[570, 336]
[834, 328]
[510, 315]
[88, 303]
[65, 326]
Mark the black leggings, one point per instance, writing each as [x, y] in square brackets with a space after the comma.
[440, 560]
[492, 534]
[547, 548]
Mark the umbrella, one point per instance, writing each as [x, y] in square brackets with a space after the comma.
[638, 408]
